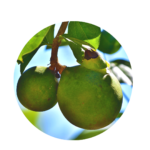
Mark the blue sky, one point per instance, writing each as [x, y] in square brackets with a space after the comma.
[52, 121]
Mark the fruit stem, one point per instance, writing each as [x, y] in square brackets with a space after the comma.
[55, 66]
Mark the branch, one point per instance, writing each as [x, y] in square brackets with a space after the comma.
[55, 66]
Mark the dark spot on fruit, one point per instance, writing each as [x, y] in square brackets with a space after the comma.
[49, 99]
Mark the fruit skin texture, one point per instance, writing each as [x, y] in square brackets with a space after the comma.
[89, 99]
[37, 88]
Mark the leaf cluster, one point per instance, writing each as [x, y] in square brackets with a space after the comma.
[80, 37]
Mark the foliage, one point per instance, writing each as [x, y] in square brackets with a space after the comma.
[32, 116]
[44, 37]
[108, 44]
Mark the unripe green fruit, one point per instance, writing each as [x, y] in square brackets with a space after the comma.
[37, 88]
[89, 99]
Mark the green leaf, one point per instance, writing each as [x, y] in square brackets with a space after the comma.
[63, 43]
[85, 31]
[108, 44]
[97, 64]
[89, 133]
[49, 36]
[32, 116]
[27, 59]
[78, 47]
[43, 37]
[122, 70]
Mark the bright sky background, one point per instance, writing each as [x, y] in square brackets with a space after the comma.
[52, 121]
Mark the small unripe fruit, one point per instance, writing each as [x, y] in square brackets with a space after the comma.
[37, 88]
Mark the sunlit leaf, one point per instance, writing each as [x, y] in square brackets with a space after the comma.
[43, 37]
[32, 116]
[85, 31]
[108, 44]
[77, 46]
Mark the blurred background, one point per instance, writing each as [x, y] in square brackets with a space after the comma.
[52, 122]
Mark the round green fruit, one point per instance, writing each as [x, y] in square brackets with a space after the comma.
[88, 98]
[37, 88]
